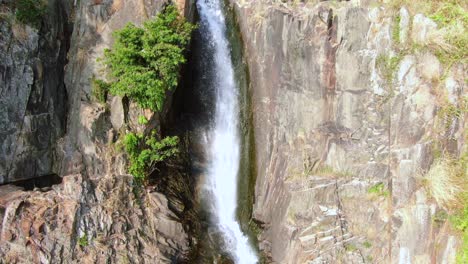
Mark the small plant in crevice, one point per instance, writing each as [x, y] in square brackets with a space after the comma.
[99, 89]
[350, 247]
[137, 192]
[379, 189]
[387, 66]
[83, 240]
[145, 152]
[396, 30]
[142, 120]
[325, 170]
[367, 244]
[449, 112]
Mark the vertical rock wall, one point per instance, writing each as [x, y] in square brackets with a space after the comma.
[341, 150]
[33, 102]
[50, 122]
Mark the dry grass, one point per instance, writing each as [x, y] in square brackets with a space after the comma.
[450, 41]
[19, 32]
[117, 5]
[446, 181]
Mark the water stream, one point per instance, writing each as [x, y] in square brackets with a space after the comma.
[223, 141]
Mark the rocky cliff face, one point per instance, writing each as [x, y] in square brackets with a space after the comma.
[344, 136]
[33, 102]
[51, 123]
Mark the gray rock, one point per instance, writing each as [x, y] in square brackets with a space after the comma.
[33, 102]
[422, 29]
[117, 112]
[329, 127]
[405, 21]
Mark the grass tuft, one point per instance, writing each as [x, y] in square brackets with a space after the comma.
[450, 42]
[330, 171]
[446, 180]
[99, 90]
[379, 189]
[396, 30]
[83, 241]
[387, 66]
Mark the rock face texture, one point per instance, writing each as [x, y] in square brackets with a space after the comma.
[50, 123]
[342, 146]
[78, 221]
[33, 102]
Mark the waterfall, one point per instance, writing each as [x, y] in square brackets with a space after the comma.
[223, 146]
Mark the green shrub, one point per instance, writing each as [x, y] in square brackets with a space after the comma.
[30, 11]
[350, 247]
[379, 189]
[367, 244]
[145, 62]
[460, 222]
[142, 120]
[83, 241]
[146, 152]
[99, 90]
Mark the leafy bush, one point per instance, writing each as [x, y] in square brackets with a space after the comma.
[146, 152]
[30, 11]
[145, 62]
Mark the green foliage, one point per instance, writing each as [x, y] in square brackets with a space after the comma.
[145, 61]
[460, 222]
[450, 42]
[367, 244]
[460, 219]
[30, 11]
[146, 152]
[379, 189]
[396, 30]
[83, 241]
[142, 120]
[449, 112]
[388, 66]
[440, 217]
[350, 247]
[450, 12]
[99, 89]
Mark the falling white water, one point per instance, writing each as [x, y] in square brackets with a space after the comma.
[224, 147]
